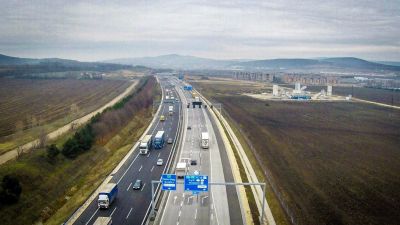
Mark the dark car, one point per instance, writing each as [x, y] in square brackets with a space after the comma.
[137, 185]
[189, 127]
[193, 162]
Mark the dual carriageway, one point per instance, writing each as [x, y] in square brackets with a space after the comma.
[176, 207]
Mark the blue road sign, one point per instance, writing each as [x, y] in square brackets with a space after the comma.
[168, 182]
[196, 183]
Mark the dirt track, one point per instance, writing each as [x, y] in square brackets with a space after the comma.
[62, 130]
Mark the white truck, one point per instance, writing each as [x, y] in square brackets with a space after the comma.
[145, 145]
[103, 221]
[205, 140]
[107, 195]
[181, 169]
[171, 110]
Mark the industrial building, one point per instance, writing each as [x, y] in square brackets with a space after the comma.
[253, 76]
[310, 79]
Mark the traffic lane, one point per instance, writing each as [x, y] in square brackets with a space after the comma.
[184, 207]
[233, 200]
[171, 210]
[92, 210]
[147, 166]
[203, 211]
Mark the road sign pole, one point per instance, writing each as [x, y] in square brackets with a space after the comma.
[263, 205]
[152, 198]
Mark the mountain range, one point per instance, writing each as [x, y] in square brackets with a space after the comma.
[175, 61]
[14, 66]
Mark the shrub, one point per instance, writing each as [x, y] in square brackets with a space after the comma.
[52, 151]
[11, 190]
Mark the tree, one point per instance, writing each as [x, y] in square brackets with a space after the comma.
[52, 151]
[11, 190]
[70, 148]
[42, 138]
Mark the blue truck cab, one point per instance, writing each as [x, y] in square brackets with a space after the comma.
[107, 195]
[158, 141]
[187, 87]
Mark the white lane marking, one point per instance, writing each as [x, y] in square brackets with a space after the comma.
[113, 212]
[129, 186]
[158, 155]
[92, 216]
[195, 214]
[189, 199]
[141, 166]
[128, 213]
[127, 169]
[179, 213]
[148, 155]
[175, 197]
[152, 168]
[181, 203]
[144, 185]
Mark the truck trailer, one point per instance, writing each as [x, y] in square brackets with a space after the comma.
[205, 140]
[145, 145]
[107, 195]
[158, 142]
[181, 170]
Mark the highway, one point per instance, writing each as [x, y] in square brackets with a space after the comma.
[132, 206]
[213, 207]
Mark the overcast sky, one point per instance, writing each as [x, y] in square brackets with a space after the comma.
[98, 30]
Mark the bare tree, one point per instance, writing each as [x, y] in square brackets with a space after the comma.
[42, 138]
[34, 121]
[20, 150]
[74, 113]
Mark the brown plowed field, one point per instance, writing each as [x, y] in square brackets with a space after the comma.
[50, 100]
[335, 163]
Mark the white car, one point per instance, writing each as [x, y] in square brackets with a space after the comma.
[160, 162]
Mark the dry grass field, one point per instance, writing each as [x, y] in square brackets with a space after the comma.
[336, 163]
[26, 105]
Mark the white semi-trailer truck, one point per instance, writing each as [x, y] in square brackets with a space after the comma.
[205, 140]
[181, 170]
[145, 144]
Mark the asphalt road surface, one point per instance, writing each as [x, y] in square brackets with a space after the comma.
[131, 206]
[213, 207]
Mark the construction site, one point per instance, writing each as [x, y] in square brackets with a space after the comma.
[299, 93]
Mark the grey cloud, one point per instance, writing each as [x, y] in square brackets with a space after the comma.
[98, 30]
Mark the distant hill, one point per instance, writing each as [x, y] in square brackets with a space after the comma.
[342, 63]
[175, 61]
[391, 63]
[14, 66]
